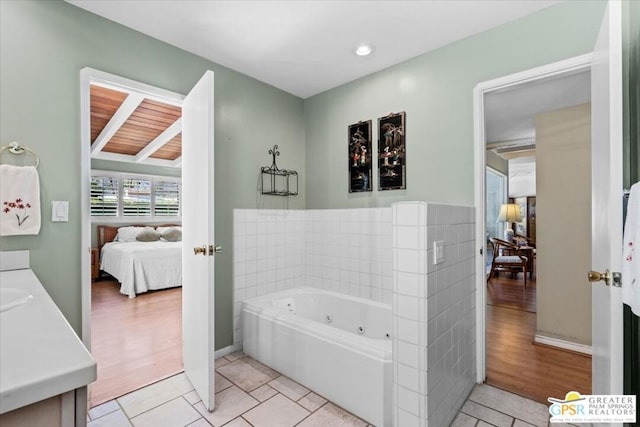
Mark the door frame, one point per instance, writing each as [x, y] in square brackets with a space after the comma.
[87, 76]
[505, 195]
[565, 67]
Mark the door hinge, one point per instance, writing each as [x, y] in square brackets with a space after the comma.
[214, 250]
[481, 251]
[617, 279]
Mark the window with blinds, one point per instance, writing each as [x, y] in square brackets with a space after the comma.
[104, 196]
[166, 198]
[117, 194]
[136, 197]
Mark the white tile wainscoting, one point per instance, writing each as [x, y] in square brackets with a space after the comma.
[433, 312]
[384, 254]
[342, 250]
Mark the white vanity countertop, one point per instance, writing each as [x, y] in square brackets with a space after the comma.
[40, 354]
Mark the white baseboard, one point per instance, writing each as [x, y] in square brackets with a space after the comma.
[566, 345]
[227, 350]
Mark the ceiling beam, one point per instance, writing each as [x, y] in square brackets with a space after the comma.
[511, 142]
[518, 154]
[167, 135]
[115, 157]
[177, 162]
[119, 118]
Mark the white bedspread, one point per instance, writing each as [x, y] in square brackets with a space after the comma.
[143, 266]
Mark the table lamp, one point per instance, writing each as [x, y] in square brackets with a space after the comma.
[509, 213]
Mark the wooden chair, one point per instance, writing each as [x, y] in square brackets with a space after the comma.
[508, 257]
[524, 240]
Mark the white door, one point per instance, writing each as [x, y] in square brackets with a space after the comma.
[198, 232]
[606, 193]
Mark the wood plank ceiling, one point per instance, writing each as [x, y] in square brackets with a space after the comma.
[126, 126]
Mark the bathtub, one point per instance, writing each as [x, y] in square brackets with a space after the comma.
[337, 345]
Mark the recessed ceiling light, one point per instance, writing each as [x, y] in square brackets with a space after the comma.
[363, 49]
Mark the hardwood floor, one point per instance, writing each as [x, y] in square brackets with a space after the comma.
[514, 362]
[135, 341]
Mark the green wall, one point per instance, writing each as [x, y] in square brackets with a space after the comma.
[436, 91]
[44, 45]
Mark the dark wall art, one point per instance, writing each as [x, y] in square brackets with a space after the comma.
[360, 178]
[392, 152]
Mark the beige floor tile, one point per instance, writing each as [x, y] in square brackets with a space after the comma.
[200, 422]
[276, 412]
[235, 356]
[176, 412]
[247, 373]
[520, 423]
[222, 383]
[139, 401]
[104, 409]
[192, 397]
[289, 388]
[312, 401]
[221, 361]
[238, 422]
[483, 424]
[331, 415]
[113, 419]
[486, 414]
[230, 403]
[263, 393]
[464, 420]
[516, 406]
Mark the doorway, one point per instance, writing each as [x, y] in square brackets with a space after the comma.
[507, 319]
[140, 338]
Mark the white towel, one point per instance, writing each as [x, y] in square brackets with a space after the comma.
[631, 252]
[19, 200]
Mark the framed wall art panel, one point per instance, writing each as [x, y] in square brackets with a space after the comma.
[360, 178]
[392, 152]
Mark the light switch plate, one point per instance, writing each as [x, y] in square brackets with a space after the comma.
[59, 211]
[438, 251]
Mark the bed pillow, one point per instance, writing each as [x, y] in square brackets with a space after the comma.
[162, 229]
[148, 235]
[127, 234]
[172, 235]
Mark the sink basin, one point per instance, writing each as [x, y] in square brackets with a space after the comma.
[12, 298]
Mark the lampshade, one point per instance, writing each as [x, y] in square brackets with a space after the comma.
[509, 213]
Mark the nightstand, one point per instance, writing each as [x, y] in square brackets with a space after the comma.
[95, 263]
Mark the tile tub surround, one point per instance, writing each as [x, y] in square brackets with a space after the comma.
[434, 312]
[342, 250]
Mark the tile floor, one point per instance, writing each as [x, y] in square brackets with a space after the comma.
[249, 393]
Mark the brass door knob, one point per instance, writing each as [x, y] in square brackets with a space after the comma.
[200, 250]
[595, 276]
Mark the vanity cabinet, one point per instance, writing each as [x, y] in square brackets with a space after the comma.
[56, 411]
[45, 366]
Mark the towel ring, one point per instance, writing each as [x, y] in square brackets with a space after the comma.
[15, 148]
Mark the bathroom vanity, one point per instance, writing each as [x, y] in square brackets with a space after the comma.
[44, 367]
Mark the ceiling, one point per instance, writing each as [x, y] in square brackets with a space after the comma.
[510, 113]
[306, 47]
[127, 126]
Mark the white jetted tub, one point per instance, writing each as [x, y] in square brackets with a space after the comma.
[337, 345]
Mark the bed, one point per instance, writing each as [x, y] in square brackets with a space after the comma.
[141, 266]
